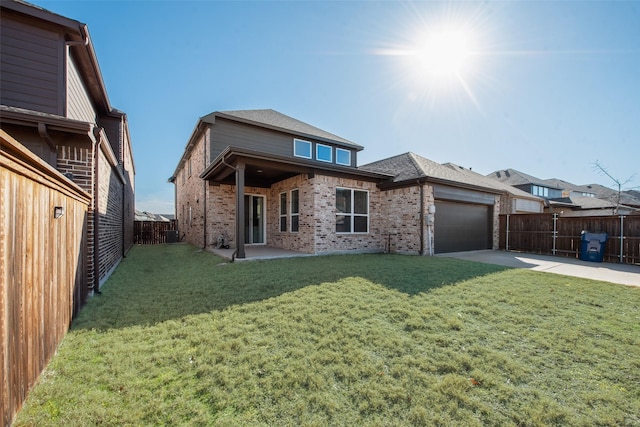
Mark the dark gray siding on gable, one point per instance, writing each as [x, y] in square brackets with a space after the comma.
[32, 63]
[229, 133]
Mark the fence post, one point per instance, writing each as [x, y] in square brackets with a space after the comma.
[506, 245]
[621, 238]
[555, 233]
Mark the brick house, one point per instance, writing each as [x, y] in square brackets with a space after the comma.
[54, 102]
[259, 177]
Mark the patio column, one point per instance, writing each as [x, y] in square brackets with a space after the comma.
[240, 210]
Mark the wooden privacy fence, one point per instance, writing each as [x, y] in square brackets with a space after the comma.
[43, 270]
[153, 232]
[558, 235]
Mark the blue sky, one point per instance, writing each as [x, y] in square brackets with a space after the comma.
[546, 87]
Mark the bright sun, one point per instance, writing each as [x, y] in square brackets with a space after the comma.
[444, 54]
[441, 59]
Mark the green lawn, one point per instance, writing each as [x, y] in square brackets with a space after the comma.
[180, 338]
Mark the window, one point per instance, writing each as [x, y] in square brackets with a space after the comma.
[302, 148]
[324, 153]
[283, 212]
[540, 191]
[352, 214]
[295, 210]
[189, 167]
[343, 157]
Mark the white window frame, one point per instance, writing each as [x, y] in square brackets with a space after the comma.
[342, 150]
[318, 147]
[283, 215]
[309, 143]
[294, 214]
[352, 215]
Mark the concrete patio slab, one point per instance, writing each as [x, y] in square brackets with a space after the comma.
[257, 252]
[624, 274]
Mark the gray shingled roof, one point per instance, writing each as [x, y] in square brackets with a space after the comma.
[490, 182]
[411, 166]
[515, 177]
[591, 202]
[275, 120]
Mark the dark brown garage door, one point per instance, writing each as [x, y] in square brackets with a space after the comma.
[462, 227]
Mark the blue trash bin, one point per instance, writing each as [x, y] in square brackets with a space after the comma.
[592, 246]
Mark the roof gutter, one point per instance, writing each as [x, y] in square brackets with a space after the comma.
[431, 180]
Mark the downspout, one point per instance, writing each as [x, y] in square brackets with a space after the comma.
[42, 131]
[96, 211]
[204, 207]
[422, 222]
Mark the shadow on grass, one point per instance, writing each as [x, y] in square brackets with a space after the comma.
[164, 282]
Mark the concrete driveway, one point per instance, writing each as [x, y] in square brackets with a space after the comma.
[624, 274]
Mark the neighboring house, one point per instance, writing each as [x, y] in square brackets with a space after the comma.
[54, 102]
[569, 199]
[528, 183]
[514, 200]
[148, 216]
[259, 177]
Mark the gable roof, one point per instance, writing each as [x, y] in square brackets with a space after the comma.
[515, 177]
[410, 167]
[275, 120]
[148, 216]
[494, 183]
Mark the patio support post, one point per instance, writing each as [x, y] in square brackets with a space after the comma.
[240, 210]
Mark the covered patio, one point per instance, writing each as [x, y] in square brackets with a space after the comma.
[257, 252]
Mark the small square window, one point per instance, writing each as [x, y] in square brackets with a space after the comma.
[302, 148]
[324, 153]
[343, 157]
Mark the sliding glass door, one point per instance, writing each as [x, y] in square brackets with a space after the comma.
[254, 219]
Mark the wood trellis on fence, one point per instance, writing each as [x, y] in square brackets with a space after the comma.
[152, 232]
[557, 235]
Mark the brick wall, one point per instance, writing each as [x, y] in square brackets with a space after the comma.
[190, 201]
[78, 160]
[221, 219]
[403, 227]
[324, 224]
[110, 215]
[303, 240]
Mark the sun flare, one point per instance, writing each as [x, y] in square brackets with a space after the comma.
[441, 58]
[444, 54]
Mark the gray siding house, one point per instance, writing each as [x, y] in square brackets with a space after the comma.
[54, 102]
[259, 177]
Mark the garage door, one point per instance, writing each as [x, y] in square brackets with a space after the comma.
[462, 227]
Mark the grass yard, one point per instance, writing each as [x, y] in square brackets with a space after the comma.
[180, 338]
